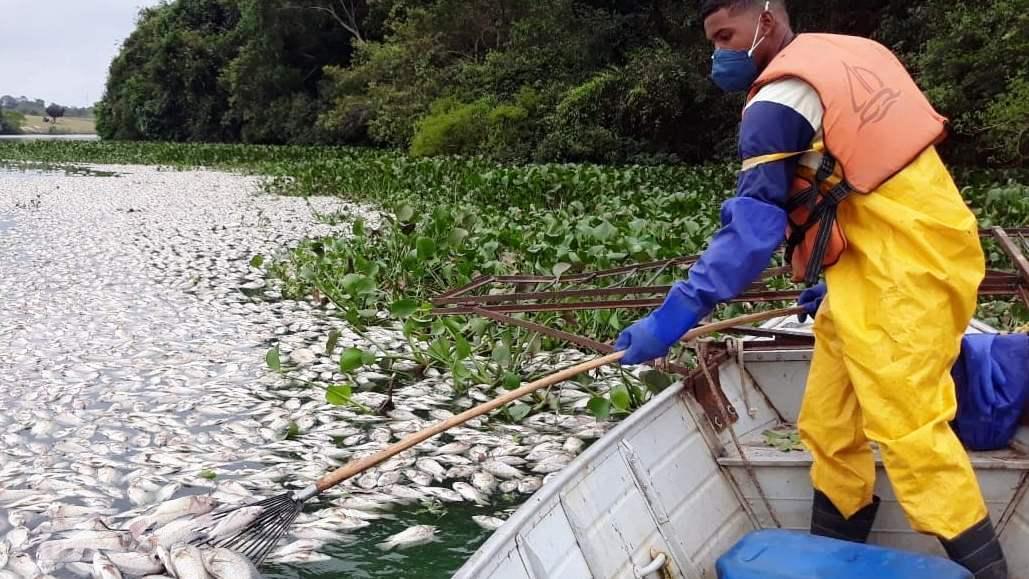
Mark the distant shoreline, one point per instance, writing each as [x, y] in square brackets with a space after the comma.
[34, 125]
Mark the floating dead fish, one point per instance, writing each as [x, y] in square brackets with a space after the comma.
[470, 493]
[488, 523]
[418, 535]
[104, 568]
[188, 562]
[226, 564]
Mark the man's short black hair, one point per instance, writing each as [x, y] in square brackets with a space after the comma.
[709, 7]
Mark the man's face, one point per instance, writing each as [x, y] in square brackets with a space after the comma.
[734, 29]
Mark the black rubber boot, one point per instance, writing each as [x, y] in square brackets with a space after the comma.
[978, 550]
[828, 521]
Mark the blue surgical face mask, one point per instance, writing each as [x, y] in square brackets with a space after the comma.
[734, 70]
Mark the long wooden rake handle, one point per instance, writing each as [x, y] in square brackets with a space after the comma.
[356, 467]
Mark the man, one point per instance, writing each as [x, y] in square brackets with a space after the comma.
[838, 151]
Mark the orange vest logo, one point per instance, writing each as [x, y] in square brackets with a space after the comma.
[869, 95]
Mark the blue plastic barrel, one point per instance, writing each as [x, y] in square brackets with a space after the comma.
[775, 554]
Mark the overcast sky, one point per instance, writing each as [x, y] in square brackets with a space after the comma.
[59, 50]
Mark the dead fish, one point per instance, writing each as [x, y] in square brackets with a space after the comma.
[444, 494]
[188, 562]
[470, 493]
[484, 481]
[552, 463]
[488, 523]
[362, 504]
[23, 565]
[296, 547]
[432, 467]
[417, 535]
[17, 537]
[104, 568]
[135, 563]
[454, 448]
[529, 485]
[418, 477]
[573, 445]
[235, 521]
[368, 481]
[459, 472]
[227, 564]
[507, 487]
[165, 558]
[501, 470]
[180, 531]
[300, 558]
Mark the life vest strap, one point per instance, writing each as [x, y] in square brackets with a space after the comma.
[752, 162]
[821, 213]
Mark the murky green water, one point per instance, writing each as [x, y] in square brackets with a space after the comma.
[457, 537]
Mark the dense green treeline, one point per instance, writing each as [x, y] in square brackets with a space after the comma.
[525, 80]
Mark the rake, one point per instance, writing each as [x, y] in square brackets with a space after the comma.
[257, 539]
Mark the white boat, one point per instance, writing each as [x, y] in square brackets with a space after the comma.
[665, 494]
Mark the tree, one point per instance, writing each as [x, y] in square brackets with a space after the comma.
[10, 122]
[55, 111]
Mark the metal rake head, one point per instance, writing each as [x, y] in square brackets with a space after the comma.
[256, 540]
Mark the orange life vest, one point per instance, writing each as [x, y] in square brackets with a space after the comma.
[876, 123]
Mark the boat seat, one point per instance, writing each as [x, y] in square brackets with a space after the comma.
[775, 554]
[757, 452]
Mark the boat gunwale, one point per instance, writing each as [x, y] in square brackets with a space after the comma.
[508, 533]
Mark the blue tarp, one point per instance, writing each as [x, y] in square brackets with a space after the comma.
[992, 379]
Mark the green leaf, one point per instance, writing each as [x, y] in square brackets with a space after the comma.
[404, 308]
[477, 326]
[405, 213]
[460, 372]
[339, 395]
[358, 227]
[272, 359]
[518, 411]
[367, 358]
[600, 408]
[620, 397]
[426, 248]
[512, 381]
[330, 344]
[357, 284]
[457, 237]
[655, 380]
[292, 430]
[559, 269]
[604, 231]
[351, 360]
[257, 261]
[615, 322]
[502, 354]
[462, 347]
[208, 474]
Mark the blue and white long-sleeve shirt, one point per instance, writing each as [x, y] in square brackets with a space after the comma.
[784, 117]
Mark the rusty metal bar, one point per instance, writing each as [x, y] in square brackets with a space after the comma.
[766, 296]
[470, 286]
[516, 297]
[579, 277]
[558, 295]
[545, 330]
[1020, 261]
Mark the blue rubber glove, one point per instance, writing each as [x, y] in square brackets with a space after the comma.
[652, 337]
[811, 300]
